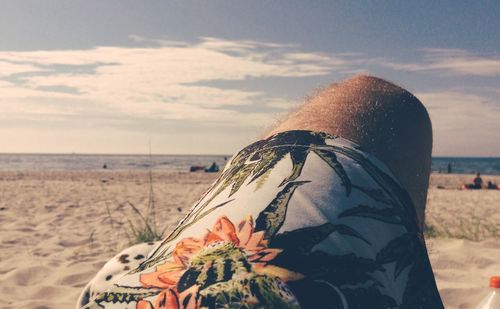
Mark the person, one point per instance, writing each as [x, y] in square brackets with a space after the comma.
[492, 185]
[325, 211]
[214, 168]
[449, 168]
[478, 181]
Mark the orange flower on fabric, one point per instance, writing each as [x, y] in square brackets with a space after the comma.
[199, 265]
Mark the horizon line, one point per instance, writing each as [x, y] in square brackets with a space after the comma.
[188, 154]
[111, 154]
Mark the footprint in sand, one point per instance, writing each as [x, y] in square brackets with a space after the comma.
[48, 292]
[73, 242]
[30, 275]
[77, 280]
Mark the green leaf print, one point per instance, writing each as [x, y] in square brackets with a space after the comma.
[215, 263]
[331, 158]
[304, 239]
[398, 196]
[250, 291]
[272, 217]
[375, 194]
[403, 250]
[268, 158]
[298, 157]
[388, 215]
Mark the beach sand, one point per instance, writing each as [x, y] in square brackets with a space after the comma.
[465, 247]
[58, 229]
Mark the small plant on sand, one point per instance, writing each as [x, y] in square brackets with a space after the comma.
[147, 230]
[141, 226]
[430, 231]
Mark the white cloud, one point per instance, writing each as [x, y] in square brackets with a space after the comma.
[240, 45]
[463, 123]
[9, 68]
[160, 82]
[168, 81]
[451, 61]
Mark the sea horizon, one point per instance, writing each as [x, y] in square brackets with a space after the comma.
[195, 154]
[98, 161]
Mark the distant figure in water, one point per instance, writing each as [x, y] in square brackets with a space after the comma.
[104, 166]
[478, 182]
[449, 168]
[214, 168]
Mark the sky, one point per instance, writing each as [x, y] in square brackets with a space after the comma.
[209, 77]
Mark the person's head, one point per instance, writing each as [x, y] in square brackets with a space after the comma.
[478, 174]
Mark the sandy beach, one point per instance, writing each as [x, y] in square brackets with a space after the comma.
[58, 229]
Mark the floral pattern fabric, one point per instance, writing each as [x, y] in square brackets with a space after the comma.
[299, 220]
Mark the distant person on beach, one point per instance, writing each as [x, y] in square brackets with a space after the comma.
[326, 211]
[214, 168]
[492, 185]
[449, 168]
[196, 168]
[478, 181]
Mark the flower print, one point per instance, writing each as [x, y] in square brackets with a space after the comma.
[228, 265]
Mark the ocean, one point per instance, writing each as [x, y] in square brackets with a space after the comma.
[465, 165]
[25, 162]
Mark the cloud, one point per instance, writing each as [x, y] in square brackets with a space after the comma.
[163, 81]
[169, 80]
[241, 46]
[8, 68]
[176, 82]
[463, 123]
[450, 61]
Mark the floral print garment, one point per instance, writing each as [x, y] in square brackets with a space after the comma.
[299, 220]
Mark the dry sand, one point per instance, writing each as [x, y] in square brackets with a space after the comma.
[56, 232]
[465, 247]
